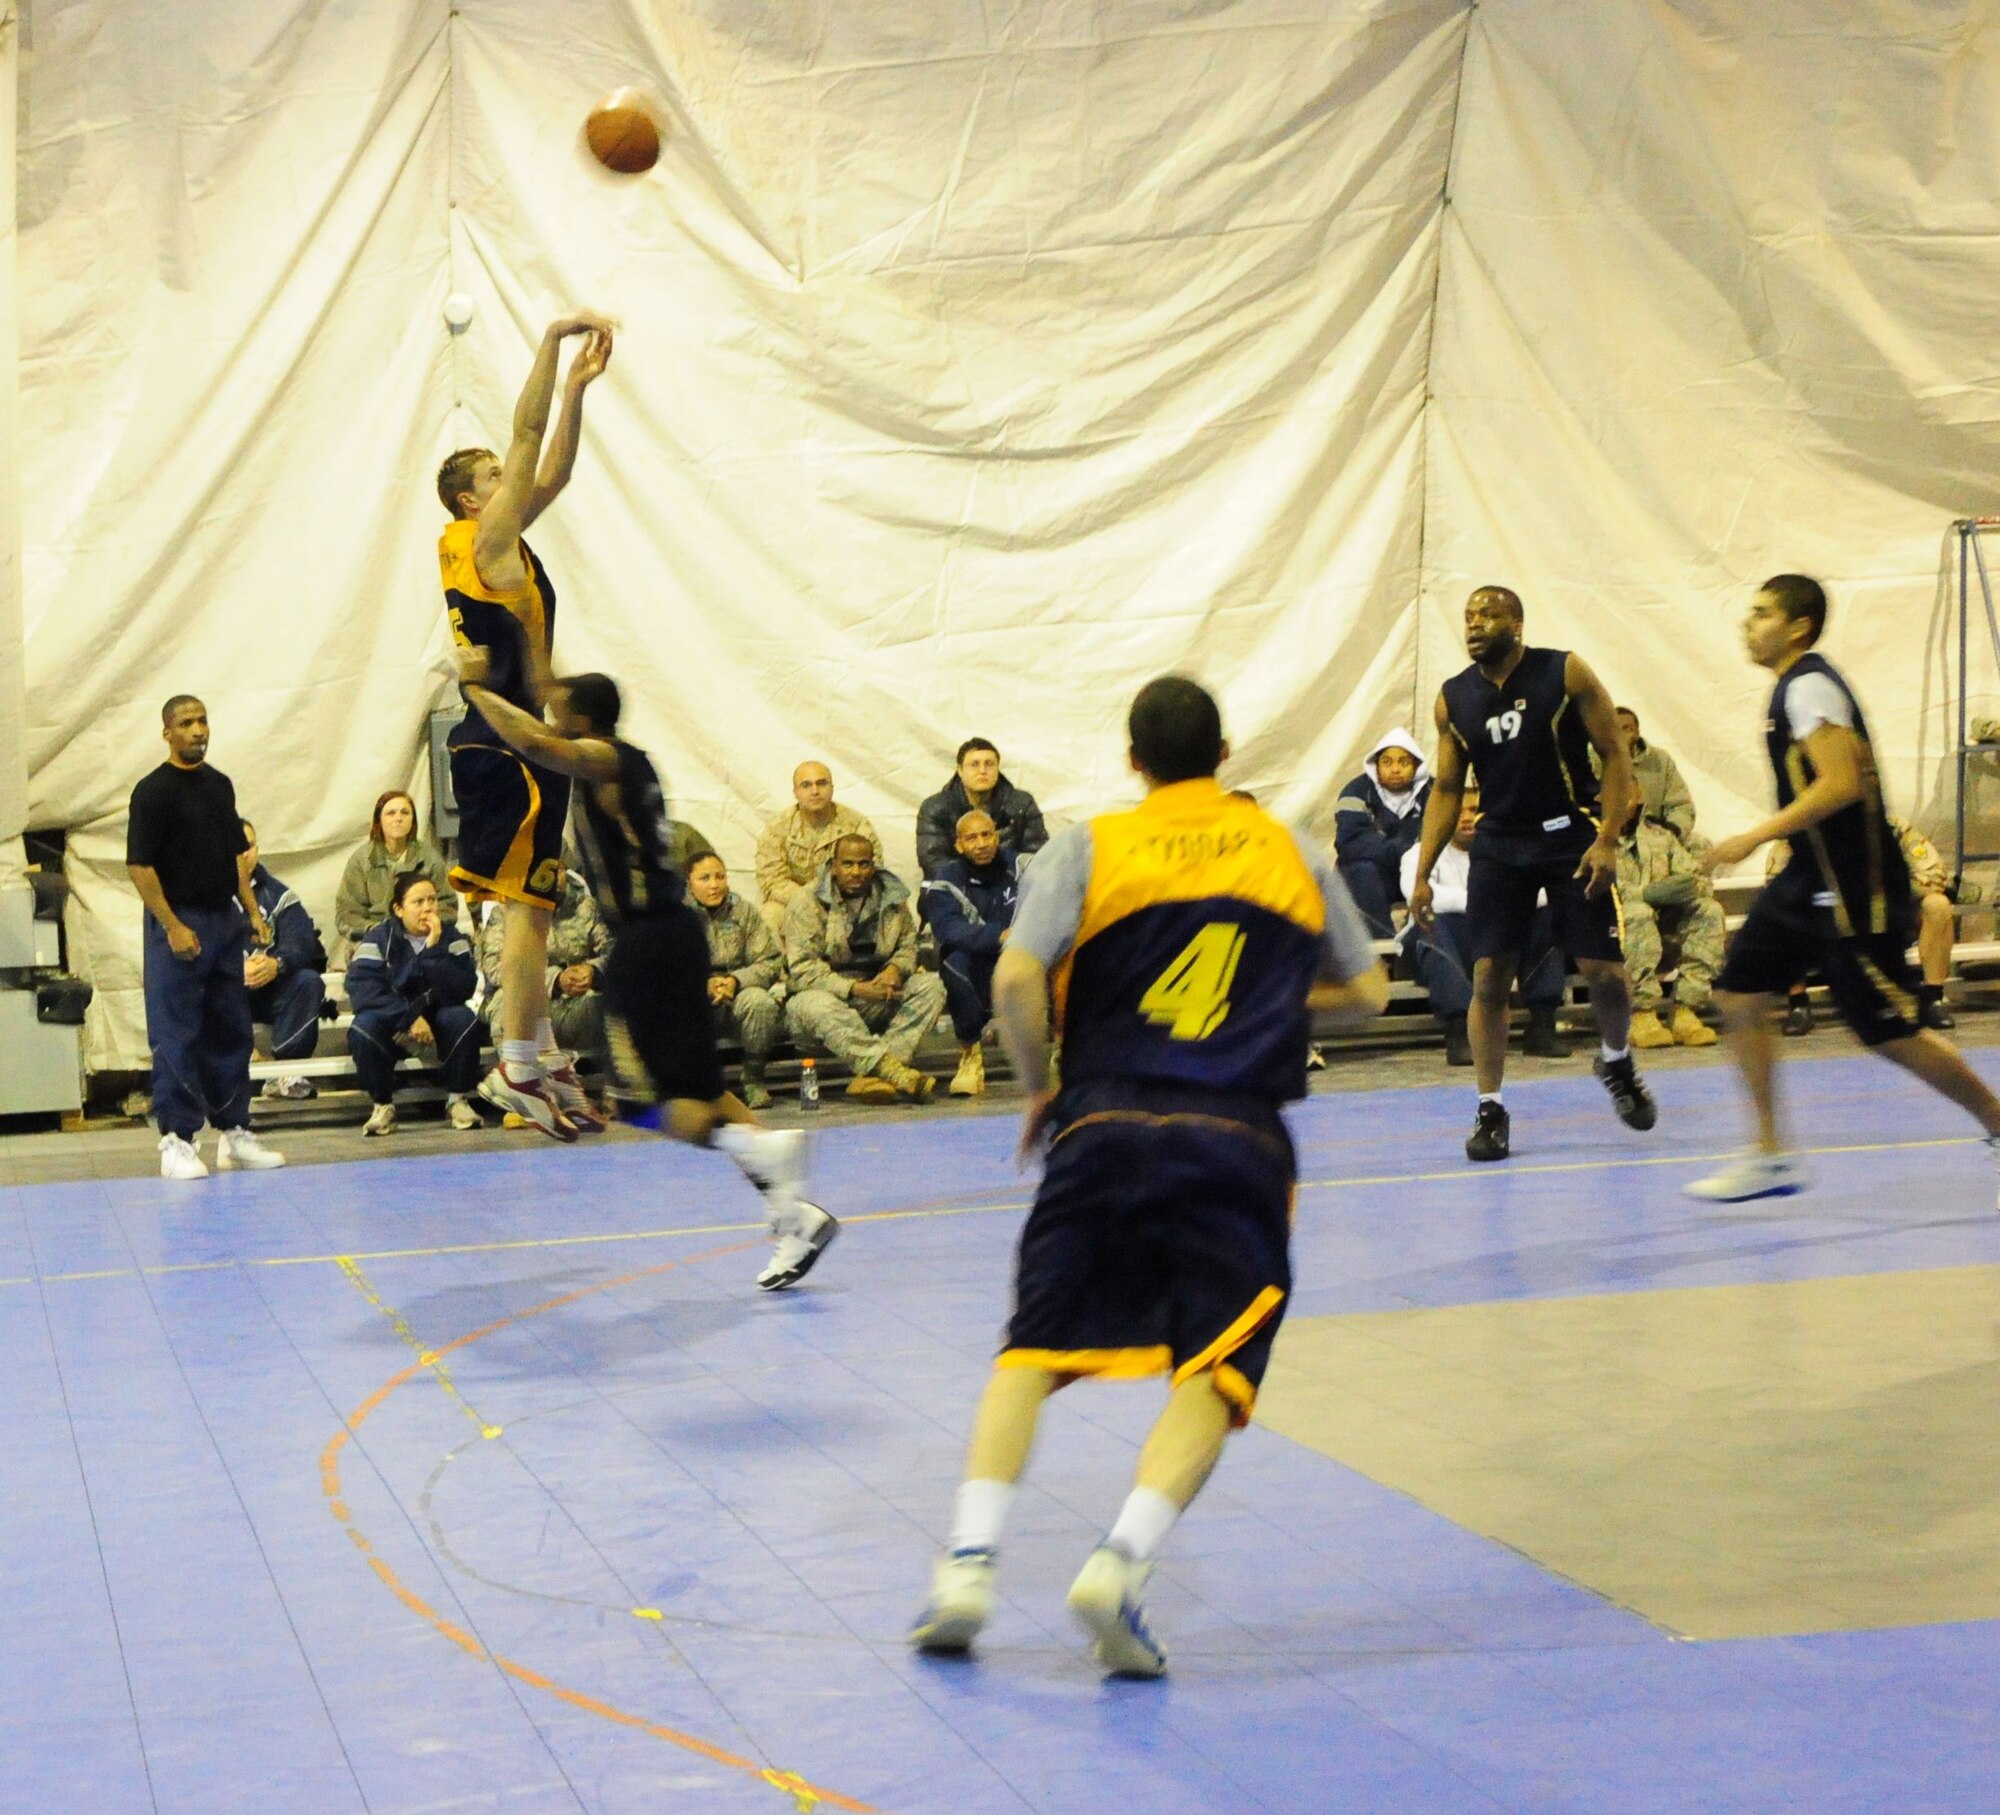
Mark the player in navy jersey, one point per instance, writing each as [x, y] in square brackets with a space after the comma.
[1842, 905]
[1183, 940]
[498, 598]
[657, 1020]
[1526, 722]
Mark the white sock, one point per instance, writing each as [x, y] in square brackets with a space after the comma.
[545, 1039]
[1143, 1523]
[1610, 1057]
[521, 1055]
[980, 1511]
[1490, 1096]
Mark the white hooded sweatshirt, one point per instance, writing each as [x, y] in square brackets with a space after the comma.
[1404, 801]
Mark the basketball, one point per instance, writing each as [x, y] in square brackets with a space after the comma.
[622, 133]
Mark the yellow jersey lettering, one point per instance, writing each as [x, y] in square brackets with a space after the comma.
[1190, 998]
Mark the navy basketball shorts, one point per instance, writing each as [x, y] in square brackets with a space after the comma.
[1503, 886]
[657, 1021]
[1159, 1242]
[511, 816]
[1790, 930]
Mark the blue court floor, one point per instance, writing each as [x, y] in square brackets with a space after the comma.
[490, 1483]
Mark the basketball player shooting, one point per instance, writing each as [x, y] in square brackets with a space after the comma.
[511, 812]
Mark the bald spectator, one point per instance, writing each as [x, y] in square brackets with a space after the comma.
[744, 970]
[978, 784]
[969, 905]
[792, 854]
[856, 992]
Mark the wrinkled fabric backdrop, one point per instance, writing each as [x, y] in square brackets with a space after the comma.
[977, 361]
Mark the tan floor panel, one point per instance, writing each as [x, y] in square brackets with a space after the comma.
[1728, 1461]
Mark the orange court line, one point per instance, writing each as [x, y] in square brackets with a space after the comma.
[329, 1474]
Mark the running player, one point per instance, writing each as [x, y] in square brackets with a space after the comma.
[510, 814]
[657, 1017]
[1842, 905]
[1185, 937]
[1525, 722]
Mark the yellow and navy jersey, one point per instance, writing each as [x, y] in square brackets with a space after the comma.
[1183, 937]
[509, 624]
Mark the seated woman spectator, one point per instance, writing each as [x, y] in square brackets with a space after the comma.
[744, 967]
[367, 885]
[1379, 816]
[978, 786]
[410, 980]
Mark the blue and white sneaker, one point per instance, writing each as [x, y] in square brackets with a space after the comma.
[1106, 1597]
[961, 1598]
[1753, 1175]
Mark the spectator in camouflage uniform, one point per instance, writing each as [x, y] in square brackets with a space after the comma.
[1663, 795]
[579, 943]
[1659, 881]
[793, 852]
[744, 968]
[1937, 921]
[855, 990]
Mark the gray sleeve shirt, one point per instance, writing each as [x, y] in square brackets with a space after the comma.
[1054, 885]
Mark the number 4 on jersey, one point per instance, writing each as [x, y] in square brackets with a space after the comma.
[1190, 998]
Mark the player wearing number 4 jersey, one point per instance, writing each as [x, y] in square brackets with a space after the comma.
[1525, 722]
[1184, 939]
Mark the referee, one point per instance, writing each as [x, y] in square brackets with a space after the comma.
[188, 857]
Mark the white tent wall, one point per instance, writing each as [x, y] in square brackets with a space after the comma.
[974, 363]
[1717, 302]
[13, 652]
[233, 389]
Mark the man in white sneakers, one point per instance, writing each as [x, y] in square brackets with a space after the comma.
[190, 859]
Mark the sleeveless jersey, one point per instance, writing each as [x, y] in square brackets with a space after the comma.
[506, 623]
[623, 837]
[1526, 743]
[1200, 936]
[1853, 855]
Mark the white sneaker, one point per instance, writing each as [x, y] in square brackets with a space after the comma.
[559, 1069]
[381, 1120]
[459, 1112]
[292, 1089]
[238, 1150]
[774, 1160]
[1106, 1597]
[793, 1256]
[178, 1158]
[1753, 1175]
[532, 1098]
[961, 1598]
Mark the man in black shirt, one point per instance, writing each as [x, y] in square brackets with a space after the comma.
[187, 855]
[1525, 722]
[1842, 906]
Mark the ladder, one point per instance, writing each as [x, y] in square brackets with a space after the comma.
[1971, 532]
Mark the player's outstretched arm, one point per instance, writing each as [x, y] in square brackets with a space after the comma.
[506, 513]
[590, 758]
[1441, 810]
[1839, 780]
[1618, 791]
[559, 457]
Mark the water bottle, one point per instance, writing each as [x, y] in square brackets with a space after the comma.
[808, 1084]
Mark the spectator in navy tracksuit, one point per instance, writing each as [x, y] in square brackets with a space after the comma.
[1379, 816]
[969, 905]
[410, 980]
[284, 978]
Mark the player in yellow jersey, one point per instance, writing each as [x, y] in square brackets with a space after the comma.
[1184, 941]
[498, 597]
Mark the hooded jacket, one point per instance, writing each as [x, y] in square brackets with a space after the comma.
[1016, 818]
[969, 909]
[832, 943]
[1373, 826]
[389, 975]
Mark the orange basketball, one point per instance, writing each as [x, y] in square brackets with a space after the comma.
[622, 133]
